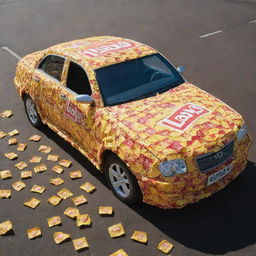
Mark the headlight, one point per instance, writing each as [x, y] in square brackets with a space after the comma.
[172, 167]
[241, 133]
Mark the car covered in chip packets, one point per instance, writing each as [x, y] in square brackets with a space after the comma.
[125, 107]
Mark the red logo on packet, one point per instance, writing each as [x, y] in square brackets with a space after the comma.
[184, 116]
[73, 113]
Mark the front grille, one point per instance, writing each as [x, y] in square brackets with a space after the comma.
[209, 161]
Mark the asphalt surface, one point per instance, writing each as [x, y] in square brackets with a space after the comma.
[222, 63]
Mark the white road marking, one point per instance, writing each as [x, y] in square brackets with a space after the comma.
[11, 52]
[210, 34]
[252, 21]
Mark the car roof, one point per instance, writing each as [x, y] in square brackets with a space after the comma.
[102, 51]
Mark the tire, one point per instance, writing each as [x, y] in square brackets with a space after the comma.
[31, 111]
[121, 181]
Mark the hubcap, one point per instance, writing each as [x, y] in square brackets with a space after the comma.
[31, 111]
[119, 180]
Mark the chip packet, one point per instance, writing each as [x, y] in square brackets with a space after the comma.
[116, 230]
[5, 193]
[58, 169]
[71, 212]
[5, 174]
[83, 220]
[79, 200]
[45, 149]
[13, 132]
[32, 203]
[12, 141]
[105, 210]
[120, 252]
[88, 187]
[35, 159]
[53, 158]
[38, 189]
[21, 165]
[5, 227]
[140, 236]
[64, 193]
[60, 237]
[18, 185]
[54, 221]
[57, 181]
[80, 243]
[65, 163]
[11, 155]
[54, 200]
[35, 138]
[34, 232]
[2, 134]
[7, 113]
[26, 174]
[21, 147]
[40, 168]
[75, 174]
[165, 246]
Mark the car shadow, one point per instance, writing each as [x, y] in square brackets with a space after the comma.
[224, 222]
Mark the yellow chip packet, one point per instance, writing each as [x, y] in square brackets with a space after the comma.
[11, 155]
[35, 159]
[60, 237]
[26, 174]
[65, 163]
[54, 221]
[88, 187]
[53, 158]
[35, 138]
[105, 210]
[45, 149]
[57, 181]
[7, 113]
[34, 232]
[21, 165]
[40, 168]
[116, 230]
[12, 141]
[5, 174]
[83, 220]
[75, 174]
[80, 243]
[32, 203]
[18, 185]
[165, 246]
[38, 189]
[58, 169]
[120, 252]
[71, 212]
[2, 134]
[64, 193]
[21, 147]
[5, 227]
[54, 200]
[79, 200]
[13, 132]
[140, 236]
[5, 193]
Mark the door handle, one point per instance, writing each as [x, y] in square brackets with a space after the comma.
[63, 97]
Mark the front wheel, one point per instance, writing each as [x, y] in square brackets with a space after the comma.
[122, 182]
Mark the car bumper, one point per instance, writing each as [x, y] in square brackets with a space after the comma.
[191, 187]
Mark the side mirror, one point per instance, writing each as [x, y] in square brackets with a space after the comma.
[180, 69]
[84, 98]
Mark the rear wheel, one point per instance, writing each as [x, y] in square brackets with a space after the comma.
[31, 111]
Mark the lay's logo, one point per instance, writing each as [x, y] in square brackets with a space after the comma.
[184, 116]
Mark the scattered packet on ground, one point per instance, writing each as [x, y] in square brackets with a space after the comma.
[5, 227]
[65, 163]
[88, 187]
[105, 210]
[12, 141]
[116, 230]
[32, 203]
[120, 252]
[83, 220]
[40, 168]
[5, 174]
[34, 232]
[13, 132]
[18, 185]
[140, 236]
[64, 193]
[35, 159]
[38, 189]
[58, 169]
[45, 149]
[71, 212]
[165, 246]
[7, 113]
[35, 138]
[26, 174]
[53, 158]
[60, 237]
[75, 174]
[80, 243]
[57, 181]
[11, 155]
[79, 200]
[54, 221]
[21, 147]
[54, 200]
[5, 193]
[2, 134]
[21, 165]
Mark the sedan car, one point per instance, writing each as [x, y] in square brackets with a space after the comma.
[125, 107]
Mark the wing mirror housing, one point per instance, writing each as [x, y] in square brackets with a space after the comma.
[180, 69]
[84, 98]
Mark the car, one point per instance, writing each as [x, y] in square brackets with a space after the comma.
[124, 106]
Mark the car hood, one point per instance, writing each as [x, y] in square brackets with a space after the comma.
[185, 121]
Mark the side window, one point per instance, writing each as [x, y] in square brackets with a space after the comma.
[77, 80]
[53, 66]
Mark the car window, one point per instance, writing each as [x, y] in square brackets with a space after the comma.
[77, 80]
[53, 66]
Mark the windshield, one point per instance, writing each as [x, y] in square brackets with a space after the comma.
[136, 79]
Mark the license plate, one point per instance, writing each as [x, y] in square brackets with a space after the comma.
[218, 175]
